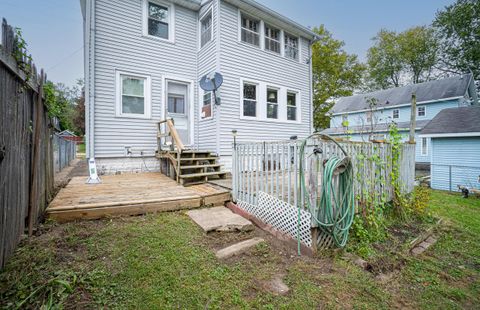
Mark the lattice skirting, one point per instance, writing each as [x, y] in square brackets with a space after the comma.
[280, 215]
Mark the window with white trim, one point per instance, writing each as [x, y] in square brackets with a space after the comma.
[206, 29]
[250, 30]
[272, 103]
[249, 100]
[133, 98]
[396, 113]
[424, 147]
[207, 104]
[421, 111]
[272, 39]
[291, 106]
[158, 20]
[291, 47]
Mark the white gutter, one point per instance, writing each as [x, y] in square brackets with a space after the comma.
[397, 106]
[451, 135]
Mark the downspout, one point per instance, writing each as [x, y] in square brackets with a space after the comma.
[90, 74]
[217, 66]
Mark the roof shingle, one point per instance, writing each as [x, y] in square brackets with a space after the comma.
[454, 120]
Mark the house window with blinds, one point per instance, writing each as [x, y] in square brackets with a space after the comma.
[291, 47]
[206, 29]
[272, 39]
[158, 20]
[291, 106]
[250, 31]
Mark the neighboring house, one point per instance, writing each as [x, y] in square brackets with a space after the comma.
[455, 148]
[68, 135]
[356, 118]
[143, 61]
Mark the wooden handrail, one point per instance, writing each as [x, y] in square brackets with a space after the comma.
[175, 136]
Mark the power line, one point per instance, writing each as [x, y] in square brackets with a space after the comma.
[67, 57]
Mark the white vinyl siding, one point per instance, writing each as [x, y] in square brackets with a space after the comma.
[250, 30]
[133, 95]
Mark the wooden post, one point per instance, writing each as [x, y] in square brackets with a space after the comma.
[33, 201]
[413, 116]
[315, 233]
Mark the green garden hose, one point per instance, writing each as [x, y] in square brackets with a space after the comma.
[334, 211]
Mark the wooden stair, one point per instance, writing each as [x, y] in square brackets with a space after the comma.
[187, 167]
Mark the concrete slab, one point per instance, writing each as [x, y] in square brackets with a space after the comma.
[219, 219]
[238, 248]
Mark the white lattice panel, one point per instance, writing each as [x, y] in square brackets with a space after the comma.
[280, 215]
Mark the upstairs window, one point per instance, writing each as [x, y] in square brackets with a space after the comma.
[158, 24]
[206, 29]
[291, 106]
[250, 31]
[272, 103]
[291, 47]
[272, 39]
[421, 111]
[424, 147]
[249, 100]
[396, 114]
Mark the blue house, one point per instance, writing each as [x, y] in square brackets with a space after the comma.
[366, 117]
[455, 148]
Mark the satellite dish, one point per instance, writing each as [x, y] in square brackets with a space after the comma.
[212, 82]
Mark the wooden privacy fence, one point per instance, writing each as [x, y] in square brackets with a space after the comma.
[26, 155]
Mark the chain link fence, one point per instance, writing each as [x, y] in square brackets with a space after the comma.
[64, 151]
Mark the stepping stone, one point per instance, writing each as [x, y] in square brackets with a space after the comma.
[219, 219]
[276, 286]
[238, 248]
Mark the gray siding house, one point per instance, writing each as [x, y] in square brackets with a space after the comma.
[143, 61]
[356, 118]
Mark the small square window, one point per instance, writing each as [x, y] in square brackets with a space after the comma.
[176, 104]
[250, 31]
[396, 113]
[421, 111]
[291, 106]
[249, 100]
[206, 29]
[158, 20]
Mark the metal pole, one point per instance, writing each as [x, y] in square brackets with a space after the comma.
[450, 177]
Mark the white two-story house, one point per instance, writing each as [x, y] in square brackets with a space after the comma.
[366, 117]
[144, 60]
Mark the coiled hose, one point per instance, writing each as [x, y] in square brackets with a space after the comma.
[334, 211]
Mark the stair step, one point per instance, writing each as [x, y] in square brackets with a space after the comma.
[198, 158]
[203, 174]
[200, 166]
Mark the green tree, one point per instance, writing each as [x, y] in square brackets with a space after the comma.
[410, 55]
[384, 61]
[61, 103]
[458, 27]
[335, 74]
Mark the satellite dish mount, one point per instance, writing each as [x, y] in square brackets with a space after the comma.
[212, 82]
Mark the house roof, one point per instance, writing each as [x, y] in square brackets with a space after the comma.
[463, 120]
[452, 87]
[383, 127]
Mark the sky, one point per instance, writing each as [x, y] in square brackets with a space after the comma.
[53, 28]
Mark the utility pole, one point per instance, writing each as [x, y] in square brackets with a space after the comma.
[413, 121]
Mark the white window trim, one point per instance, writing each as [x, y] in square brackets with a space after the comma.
[261, 108]
[418, 111]
[212, 102]
[208, 11]
[424, 147]
[147, 95]
[171, 20]
[393, 113]
[191, 94]
[297, 104]
[277, 103]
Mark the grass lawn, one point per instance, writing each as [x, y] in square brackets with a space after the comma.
[165, 261]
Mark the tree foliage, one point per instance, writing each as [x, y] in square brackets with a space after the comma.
[335, 74]
[410, 55]
[458, 27]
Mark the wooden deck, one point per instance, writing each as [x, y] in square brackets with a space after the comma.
[131, 194]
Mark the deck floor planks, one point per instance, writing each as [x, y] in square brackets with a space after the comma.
[130, 194]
